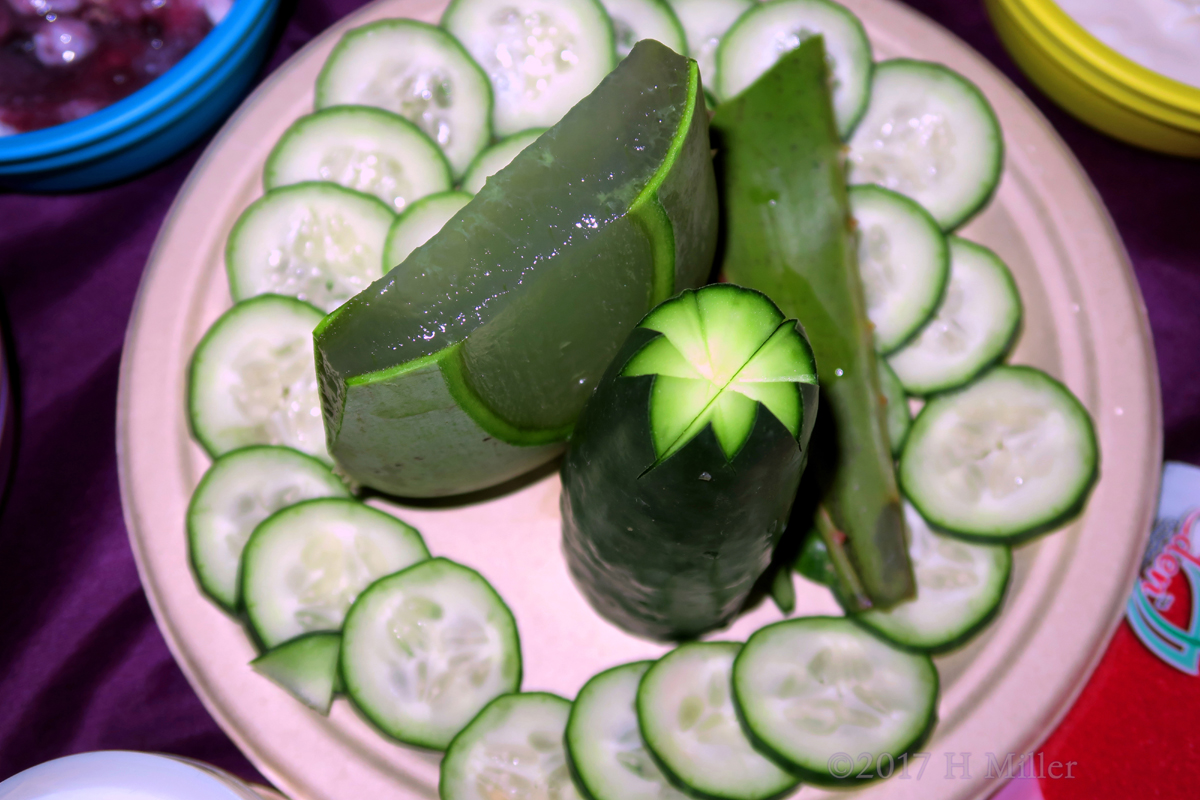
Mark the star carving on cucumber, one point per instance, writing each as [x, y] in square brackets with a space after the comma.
[721, 355]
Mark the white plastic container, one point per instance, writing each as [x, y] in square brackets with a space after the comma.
[124, 775]
[1161, 35]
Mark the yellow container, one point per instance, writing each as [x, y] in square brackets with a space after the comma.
[1094, 82]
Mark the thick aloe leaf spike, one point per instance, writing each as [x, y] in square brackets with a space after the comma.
[468, 364]
[787, 235]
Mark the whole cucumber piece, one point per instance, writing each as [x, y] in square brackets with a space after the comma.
[787, 234]
[681, 473]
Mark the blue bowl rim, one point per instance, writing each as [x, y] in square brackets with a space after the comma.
[192, 70]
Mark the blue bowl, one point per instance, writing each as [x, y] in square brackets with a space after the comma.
[152, 124]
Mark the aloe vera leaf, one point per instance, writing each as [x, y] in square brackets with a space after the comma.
[787, 234]
[468, 364]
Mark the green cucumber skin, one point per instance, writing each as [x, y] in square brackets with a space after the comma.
[666, 554]
[787, 234]
[474, 430]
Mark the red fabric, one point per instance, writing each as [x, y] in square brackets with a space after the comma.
[1135, 730]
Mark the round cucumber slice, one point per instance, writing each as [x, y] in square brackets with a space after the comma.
[975, 325]
[899, 417]
[768, 30]
[960, 586]
[469, 363]
[240, 490]
[689, 722]
[252, 379]
[604, 744]
[816, 688]
[704, 23]
[930, 134]
[315, 241]
[366, 149]
[542, 56]
[497, 157]
[425, 649]
[304, 565]
[634, 20]
[420, 223]
[904, 262]
[514, 748]
[418, 71]
[1010, 456]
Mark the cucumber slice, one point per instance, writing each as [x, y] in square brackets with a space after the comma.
[973, 328]
[1010, 456]
[314, 241]
[689, 723]
[959, 589]
[634, 20]
[497, 157]
[816, 688]
[366, 149]
[419, 224]
[417, 71]
[513, 749]
[904, 262]
[899, 417]
[306, 667]
[304, 565]
[704, 23]
[768, 30]
[542, 56]
[240, 490]
[425, 649]
[469, 363]
[682, 472]
[930, 134]
[604, 744]
[252, 379]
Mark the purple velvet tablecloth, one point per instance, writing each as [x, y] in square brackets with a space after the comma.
[82, 664]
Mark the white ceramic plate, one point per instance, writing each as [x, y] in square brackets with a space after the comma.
[1085, 323]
